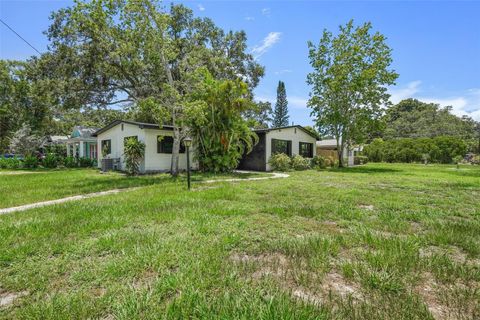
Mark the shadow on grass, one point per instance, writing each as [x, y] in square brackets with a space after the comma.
[465, 172]
[363, 169]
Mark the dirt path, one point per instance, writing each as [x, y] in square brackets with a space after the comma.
[274, 175]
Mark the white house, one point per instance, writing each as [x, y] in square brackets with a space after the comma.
[82, 143]
[291, 140]
[158, 145]
[328, 147]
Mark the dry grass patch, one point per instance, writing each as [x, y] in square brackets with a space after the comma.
[7, 298]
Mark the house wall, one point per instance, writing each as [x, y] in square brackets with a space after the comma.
[294, 134]
[152, 161]
[255, 160]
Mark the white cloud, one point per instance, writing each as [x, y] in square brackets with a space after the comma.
[267, 43]
[266, 12]
[467, 103]
[398, 94]
[249, 18]
[282, 71]
[201, 7]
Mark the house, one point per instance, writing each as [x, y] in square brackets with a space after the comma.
[158, 145]
[291, 140]
[82, 143]
[328, 148]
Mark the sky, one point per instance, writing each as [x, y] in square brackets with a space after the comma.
[436, 44]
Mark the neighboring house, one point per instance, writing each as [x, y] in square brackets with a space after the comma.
[158, 145]
[328, 148]
[82, 143]
[291, 140]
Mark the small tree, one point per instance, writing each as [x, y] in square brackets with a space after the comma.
[24, 141]
[280, 113]
[133, 151]
[349, 83]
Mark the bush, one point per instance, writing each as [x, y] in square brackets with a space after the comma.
[439, 149]
[475, 160]
[280, 162]
[134, 150]
[10, 163]
[357, 160]
[85, 162]
[319, 162]
[50, 161]
[30, 162]
[300, 163]
[70, 162]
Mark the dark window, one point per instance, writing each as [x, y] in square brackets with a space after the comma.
[106, 146]
[282, 146]
[165, 145]
[125, 139]
[305, 149]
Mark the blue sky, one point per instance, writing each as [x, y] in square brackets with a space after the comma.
[436, 45]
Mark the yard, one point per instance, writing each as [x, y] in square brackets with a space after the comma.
[379, 241]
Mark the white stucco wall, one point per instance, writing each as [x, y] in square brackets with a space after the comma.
[152, 161]
[295, 135]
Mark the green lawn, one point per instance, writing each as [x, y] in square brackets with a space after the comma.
[372, 242]
[18, 187]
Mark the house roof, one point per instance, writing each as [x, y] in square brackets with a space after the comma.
[287, 127]
[141, 125]
[327, 143]
[83, 132]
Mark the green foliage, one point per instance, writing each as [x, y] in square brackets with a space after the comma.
[30, 162]
[24, 141]
[357, 160]
[70, 162]
[350, 79]
[51, 160]
[10, 163]
[280, 162]
[438, 149]
[216, 124]
[319, 162]
[85, 162]
[133, 150]
[259, 116]
[280, 113]
[412, 118]
[300, 163]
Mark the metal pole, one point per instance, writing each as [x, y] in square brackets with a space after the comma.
[188, 167]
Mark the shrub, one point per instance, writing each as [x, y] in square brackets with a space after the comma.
[30, 162]
[50, 161]
[360, 160]
[319, 162]
[10, 163]
[300, 163]
[85, 162]
[133, 152]
[375, 150]
[280, 162]
[70, 162]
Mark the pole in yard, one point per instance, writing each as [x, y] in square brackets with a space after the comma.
[188, 142]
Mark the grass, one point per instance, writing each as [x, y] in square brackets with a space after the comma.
[379, 241]
[30, 186]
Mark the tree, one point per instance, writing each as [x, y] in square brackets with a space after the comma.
[313, 131]
[133, 151]
[135, 54]
[24, 141]
[349, 83]
[411, 118]
[280, 113]
[220, 133]
[259, 117]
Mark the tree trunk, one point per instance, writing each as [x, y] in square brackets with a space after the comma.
[340, 152]
[175, 152]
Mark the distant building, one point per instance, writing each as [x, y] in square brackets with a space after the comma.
[82, 143]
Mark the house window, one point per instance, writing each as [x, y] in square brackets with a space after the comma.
[305, 149]
[106, 146]
[165, 145]
[282, 146]
[126, 138]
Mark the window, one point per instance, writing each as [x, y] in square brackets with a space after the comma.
[125, 139]
[282, 146]
[165, 144]
[305, 149]
[106, 146]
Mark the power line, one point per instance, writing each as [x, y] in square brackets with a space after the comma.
[19, 36]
